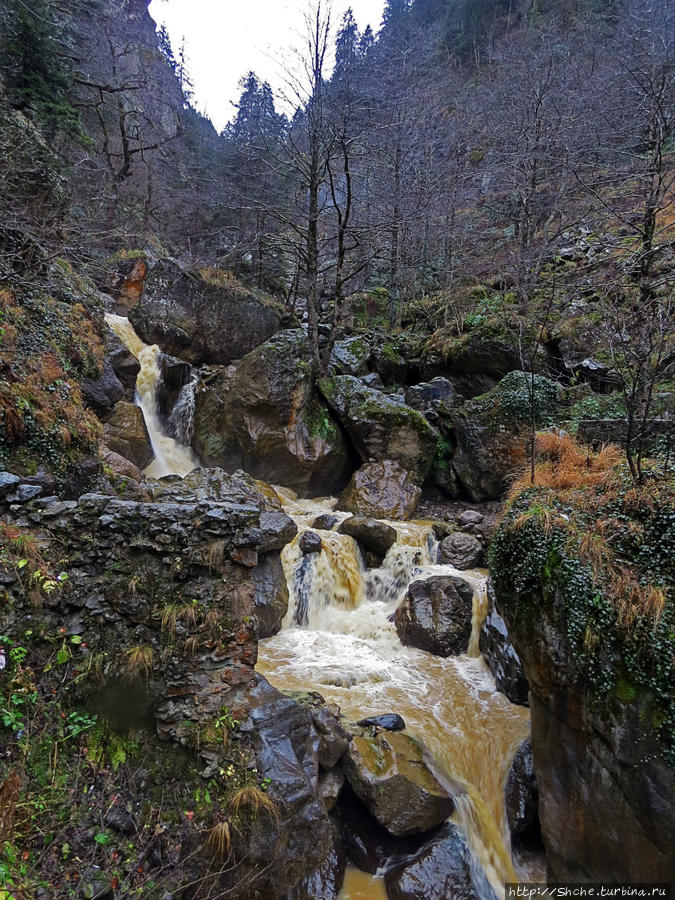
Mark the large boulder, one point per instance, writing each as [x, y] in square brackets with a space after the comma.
[102, 393]
[426, 397]
[375, 536]
[381, 489]
[491, 433]
[502, 659]
[443, 868]
[125, 365]
[125, 433]
[202, 316]
[380, 425]
[463, 551]
[435, 615]
[389, 775]
[263, 415]
[350, 356]
[271, 594]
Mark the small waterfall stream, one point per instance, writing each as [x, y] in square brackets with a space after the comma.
[348, 650]
[172, 457]
[338, 639]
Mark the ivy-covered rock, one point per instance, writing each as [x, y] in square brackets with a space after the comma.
[263, 415]
[583, 576]
[380, 425]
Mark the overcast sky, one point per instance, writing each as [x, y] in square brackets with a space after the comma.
[225, 39]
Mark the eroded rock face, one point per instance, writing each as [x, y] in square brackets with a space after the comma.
[125, 433]
[521, 797]
[380, 425]
[443, 868]
[383, 490]
[104, 392]
[124, 364]
[504, 662]
[263, 416]
[202, 317]
[435, 615]
[271, 594]
[463, 551]
[375, 536]
[389, 775]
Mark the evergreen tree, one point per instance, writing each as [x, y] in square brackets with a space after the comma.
[34, 65]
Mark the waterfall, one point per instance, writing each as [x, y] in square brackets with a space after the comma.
[182, 417]
[338, 639]
[173, 455]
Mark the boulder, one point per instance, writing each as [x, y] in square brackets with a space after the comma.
[380, 425]
[443, 868]
[427, 396]
[325, 522]
[104, 392]
[435, 615]
[126, 282]
[125, 433]
[521, 797]
[310, 542]
[271, 594]
[463, 551]
[326, 880]
[125, 365]
[388, 774]
[330, 785]
[502, 659]
[202, 316]
[263, 416]
[334, 738]
[383, 490]
[388, 721]
[351, 355]
[277, 529]
[120, 465]
[375, 536]
[469, 518]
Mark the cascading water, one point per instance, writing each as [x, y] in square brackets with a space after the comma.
[172, 456]
[338, 639]
[348, 650]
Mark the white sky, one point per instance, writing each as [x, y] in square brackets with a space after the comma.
[225, 39]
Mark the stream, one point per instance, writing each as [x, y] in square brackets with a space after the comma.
[348, 650]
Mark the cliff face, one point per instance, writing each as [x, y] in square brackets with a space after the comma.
[599, 672]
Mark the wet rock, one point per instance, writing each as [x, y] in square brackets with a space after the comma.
[95, 884]
[120, 465]
[8, 483]
[271, 594]
[435, 615]
[504, 662]
[125, 433]
[120, 819]
[330, 785]
[326, 881]
[310, 542]
[463, 551]
[202, 318]
[426, 396]
[124, 364]
[381, 426]
[262, 415]
[444, 868]
[334, 738]
[388, 721]
[389, 775]
[469, 518]
[521, 797]
[104, 392]
[325, 522]
[382, 490]
[375, 536]
[277, 529]
[351, 355]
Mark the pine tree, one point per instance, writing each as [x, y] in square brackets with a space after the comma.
[34, 65]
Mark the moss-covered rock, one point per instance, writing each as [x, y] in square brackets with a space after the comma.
[263, 415]
[583, 573]
[380, 425]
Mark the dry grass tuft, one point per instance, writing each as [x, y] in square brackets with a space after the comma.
[214, 554]
[254, 800]
[139, 660]
[219, 840]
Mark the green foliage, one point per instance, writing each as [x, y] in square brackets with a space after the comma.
[35, 65]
